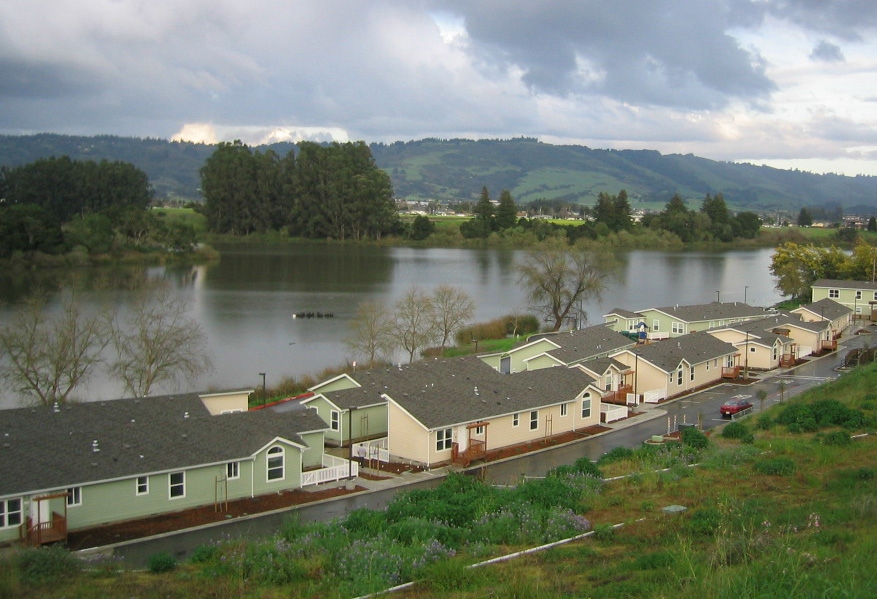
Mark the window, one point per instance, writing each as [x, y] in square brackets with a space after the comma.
[443, 439]
[534, 420]
[691, 373]
[586, 406]
[142, 485]
[516, 418]
[834, 293]
[275, 464]
[678, 328]
[774, 352]
[563, 409]
[679, 376]
[752, 349]
[177, 486]
[233, 470]
[656, 325]
[336, 420]
[479, 430]
[875, 296]
[10, 512]
[858, 294]
[707, 365]
[74, 496]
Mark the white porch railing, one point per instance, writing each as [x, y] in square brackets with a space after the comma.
[611, 412]
[377, 449]
[333, 469]
[655, 395]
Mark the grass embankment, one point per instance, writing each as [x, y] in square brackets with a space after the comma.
[782, 504]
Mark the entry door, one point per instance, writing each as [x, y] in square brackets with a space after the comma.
[44, 511]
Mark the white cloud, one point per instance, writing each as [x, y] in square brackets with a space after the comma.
[748, 80]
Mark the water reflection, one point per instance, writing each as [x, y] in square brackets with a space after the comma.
[246, 301]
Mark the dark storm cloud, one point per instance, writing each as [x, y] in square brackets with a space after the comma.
[674, 53]
[827, 52]
[846, 19]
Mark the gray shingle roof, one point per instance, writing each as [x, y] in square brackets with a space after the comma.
[694, 348]
[587, 343]
[844, 284]
[623, 313]
[712, 311]
[442, 393]
[41, 449]
[828, 308]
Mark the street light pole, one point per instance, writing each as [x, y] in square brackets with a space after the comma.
[718, 301]
[745, 289]
[262, 374]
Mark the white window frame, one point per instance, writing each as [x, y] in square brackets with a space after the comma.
[479, 430]
[858, 294]
[677, 328]
[335, 420]
[534, 420]
[564, 409]
[444, 439]
[656, 324]
[180, 484]
[141, 485]
[679, 375]
[11, 512]
[74, 496]
[834, 293]
[516, 419]
[232, 470]
[272, 467]
[692, 370]
[586, 406]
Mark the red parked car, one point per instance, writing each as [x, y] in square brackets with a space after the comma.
[734, 406]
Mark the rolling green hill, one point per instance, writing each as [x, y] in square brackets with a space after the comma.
[457, 169]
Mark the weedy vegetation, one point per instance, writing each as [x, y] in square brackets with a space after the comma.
[784, 505]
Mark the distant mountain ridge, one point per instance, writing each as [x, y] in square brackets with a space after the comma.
[457, 169]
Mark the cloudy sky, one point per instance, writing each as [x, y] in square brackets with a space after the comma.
[790, 83]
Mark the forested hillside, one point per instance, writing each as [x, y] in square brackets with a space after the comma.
[454, 170]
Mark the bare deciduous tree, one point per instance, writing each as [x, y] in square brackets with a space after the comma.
[413, 322]
[158, 342]
[451, 309]
[371, 337]
[46, 356]
[558, 277]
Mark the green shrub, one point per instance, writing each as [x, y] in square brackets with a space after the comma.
[780, 466]
[365, 522]
[705, 521]
[615, 454]
[161, 562]
[694, 438]
[831, 412]
[449, 575]
[45, 564]
[840, 438]
[735, 430]
[203, 554]
[604, 532]
[764, 423]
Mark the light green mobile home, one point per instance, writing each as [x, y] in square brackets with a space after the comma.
[78, 466]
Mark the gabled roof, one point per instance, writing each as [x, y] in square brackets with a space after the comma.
[43, 449]
[826, 308]
[623, 313]
[760, 330]
[446, 392]
[844, 284]
[357, 398]
[712, 311]
[587, 343]
[784, 319]
[694, 348]
[600, 366]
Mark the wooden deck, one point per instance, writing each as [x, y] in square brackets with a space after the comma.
[44, 532]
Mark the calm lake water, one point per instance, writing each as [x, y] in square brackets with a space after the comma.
[245, 302]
